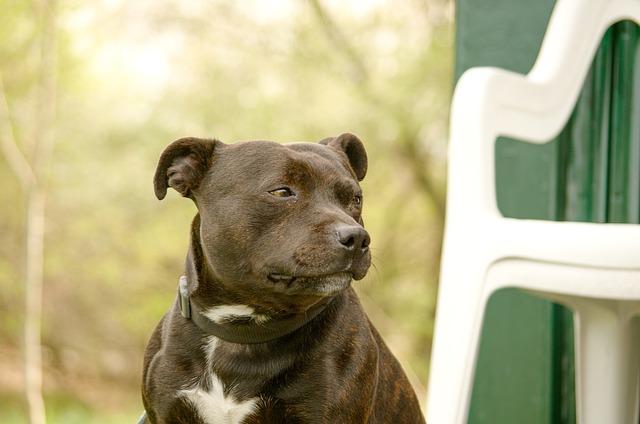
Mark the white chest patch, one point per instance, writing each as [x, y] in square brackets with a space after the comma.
[224, 313]
[216, 408]
[212, 405]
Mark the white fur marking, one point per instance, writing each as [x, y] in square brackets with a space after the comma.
[213, 406]
[216, 408]
[212, 344]
[225, 313]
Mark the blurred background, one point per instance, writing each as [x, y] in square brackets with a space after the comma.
[90, 94]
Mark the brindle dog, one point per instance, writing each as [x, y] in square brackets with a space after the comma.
[266, 327]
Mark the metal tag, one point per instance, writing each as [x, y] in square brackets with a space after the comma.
[183, 294]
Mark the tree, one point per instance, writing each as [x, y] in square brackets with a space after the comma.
[31, 171]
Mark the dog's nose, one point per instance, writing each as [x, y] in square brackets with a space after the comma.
[353, 237]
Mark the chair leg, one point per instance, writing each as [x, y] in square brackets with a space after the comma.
[607, 363]
[461, 304]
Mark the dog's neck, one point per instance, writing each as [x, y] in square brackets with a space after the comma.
[232, 316]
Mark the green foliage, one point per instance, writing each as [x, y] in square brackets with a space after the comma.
[133, 76]
[65, 408]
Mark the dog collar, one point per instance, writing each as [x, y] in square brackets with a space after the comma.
[246, 332]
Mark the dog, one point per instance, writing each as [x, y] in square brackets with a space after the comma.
[266, 327]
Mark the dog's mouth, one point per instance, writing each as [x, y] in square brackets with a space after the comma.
[317, 284]
[282, 278]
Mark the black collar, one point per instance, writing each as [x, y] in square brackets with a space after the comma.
[244, 331]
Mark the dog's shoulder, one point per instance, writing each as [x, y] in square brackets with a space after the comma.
[395, 399]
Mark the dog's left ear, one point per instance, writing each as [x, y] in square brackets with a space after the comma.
[183, 164]
[351, 146]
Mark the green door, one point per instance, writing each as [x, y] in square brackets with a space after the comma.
[590, 172]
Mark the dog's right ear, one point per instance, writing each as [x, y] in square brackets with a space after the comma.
[183, 164]
[353, 147]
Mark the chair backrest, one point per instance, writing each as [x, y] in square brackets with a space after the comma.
[491, 102]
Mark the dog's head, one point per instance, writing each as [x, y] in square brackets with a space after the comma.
[283, 217]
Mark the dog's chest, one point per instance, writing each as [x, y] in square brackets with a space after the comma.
[213, 406]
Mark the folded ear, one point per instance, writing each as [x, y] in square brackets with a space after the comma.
[182, 165]
[351, 146]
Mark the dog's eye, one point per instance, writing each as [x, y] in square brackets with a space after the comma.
[282, 192]
[357, 199]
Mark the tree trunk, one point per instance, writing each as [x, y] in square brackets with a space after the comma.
[33, 304]
[43, 147]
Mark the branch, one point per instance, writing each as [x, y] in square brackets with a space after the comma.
[419, 166]
[46, 91]
[417, 162]
[9, 145]
[334, 33]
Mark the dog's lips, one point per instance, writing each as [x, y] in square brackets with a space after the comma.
[284, 278]
[321, 283]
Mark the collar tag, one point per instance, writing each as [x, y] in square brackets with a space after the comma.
[183, 294]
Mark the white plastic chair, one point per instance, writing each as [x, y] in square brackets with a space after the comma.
[594, 269]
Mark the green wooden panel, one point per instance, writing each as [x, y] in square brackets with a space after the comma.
[624, 158]
[585, 144]
[563, 394]
[514, 377]
[633, 187]
[502, 33]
